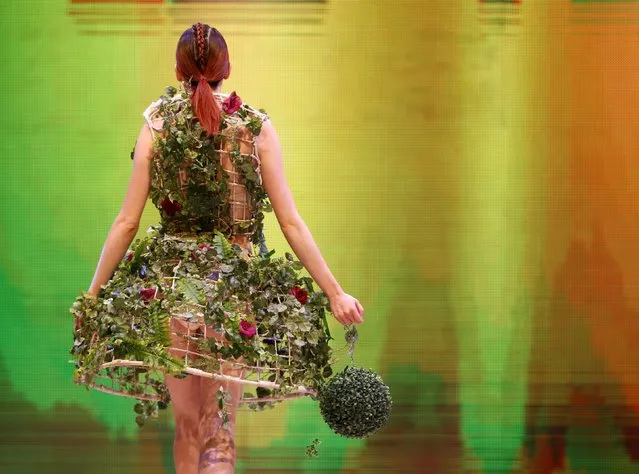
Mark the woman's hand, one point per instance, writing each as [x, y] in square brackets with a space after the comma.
[346, 309]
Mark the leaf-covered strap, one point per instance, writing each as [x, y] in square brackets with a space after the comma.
[153, 118]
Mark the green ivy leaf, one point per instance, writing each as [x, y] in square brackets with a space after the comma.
[226, 268]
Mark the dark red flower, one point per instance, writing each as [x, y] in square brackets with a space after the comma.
[202, 248]
[247, 329]
[232, 103]
[170, 207]
[300, 294]
[129, 256]
[147, 294]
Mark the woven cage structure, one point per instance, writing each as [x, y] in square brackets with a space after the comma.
[188, 334]
[190, 343]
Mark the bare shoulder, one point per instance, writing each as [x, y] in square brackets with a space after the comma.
[268, 140]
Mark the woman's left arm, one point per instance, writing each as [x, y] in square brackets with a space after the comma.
[127, 222]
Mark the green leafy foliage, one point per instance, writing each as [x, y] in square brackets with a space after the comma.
[207, 279]
[355, 403]
[311, 449]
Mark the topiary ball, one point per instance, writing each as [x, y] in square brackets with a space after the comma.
[355, 403]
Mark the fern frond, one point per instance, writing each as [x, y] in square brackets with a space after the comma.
[223, 245]
[190, 291]
[160, 325]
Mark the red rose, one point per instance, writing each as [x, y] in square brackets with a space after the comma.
[170, 207]
[231, 104]
[300, 294]
[247, 329]
[147, 294]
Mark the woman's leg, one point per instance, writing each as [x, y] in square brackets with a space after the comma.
[217, 443]
[185, 398]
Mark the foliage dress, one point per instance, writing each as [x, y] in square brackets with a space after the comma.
[204, 266]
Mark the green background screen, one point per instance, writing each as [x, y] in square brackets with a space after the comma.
[469, 170]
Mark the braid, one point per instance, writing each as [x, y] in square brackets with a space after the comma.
[201, 55]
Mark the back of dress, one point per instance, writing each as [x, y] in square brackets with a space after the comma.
[200, 183]
[183, 300]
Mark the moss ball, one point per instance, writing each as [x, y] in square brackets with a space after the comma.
[355, 403]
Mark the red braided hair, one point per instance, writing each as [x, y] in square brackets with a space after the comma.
[203, 58]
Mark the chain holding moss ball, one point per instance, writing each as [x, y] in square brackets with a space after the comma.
[355, 403]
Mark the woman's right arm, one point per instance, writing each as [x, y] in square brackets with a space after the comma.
[345, 308]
